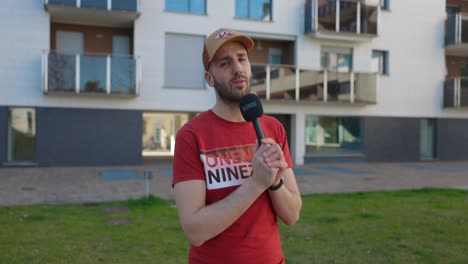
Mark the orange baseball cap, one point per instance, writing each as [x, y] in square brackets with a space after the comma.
[221, 37]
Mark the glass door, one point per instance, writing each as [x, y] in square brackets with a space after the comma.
[21, 134]
[427, 149]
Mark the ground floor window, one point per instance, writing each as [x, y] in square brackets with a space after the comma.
[21, 134]
[159, 132]
[333, 135]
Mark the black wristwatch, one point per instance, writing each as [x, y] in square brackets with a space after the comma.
[277, 186]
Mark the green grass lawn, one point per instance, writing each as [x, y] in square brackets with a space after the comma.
[422, 226]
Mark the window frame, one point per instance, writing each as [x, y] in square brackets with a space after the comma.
[385, 5]
[189, 2]
[249, 16]
[385, 62]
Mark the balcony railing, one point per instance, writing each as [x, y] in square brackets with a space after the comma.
[114, 5]
[91, 74]
[456, 92]
[287, 83]
[341, 19]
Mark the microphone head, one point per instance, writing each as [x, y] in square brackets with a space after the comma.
[251, 107]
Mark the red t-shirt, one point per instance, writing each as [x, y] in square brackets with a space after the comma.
[220, 152]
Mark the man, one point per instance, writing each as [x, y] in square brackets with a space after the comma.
[229, 191]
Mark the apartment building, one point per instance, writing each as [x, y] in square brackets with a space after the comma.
[110, 82]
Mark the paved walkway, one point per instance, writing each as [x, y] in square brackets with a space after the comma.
[97, 184]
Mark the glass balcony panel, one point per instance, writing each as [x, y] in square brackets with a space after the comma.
[98, 4]
[326, 15]
[311, 85]
[464, 31]
[92, 74]
[450, 29]
[365, 87]
[258, 81]
[123, 75]
[339, 86]
[348, 15]
[464, 91]
[63, 2]
[125, 5]
[369, 17]
[283, 82]
[449, 93]
[61, 72]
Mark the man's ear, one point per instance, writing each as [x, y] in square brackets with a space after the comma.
[209, 79]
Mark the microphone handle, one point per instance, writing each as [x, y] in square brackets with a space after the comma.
[258, 130]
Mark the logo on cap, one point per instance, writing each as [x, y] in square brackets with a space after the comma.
[224, 34]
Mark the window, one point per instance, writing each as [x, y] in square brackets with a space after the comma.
[337, 59]
[384, 4]
[159, 132]
[183, 64]
[254, 9]
[21, 134]
[187, 6]
[333, 134]
[380, 62]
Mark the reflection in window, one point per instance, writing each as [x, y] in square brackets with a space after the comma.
[21, 134]
[254, 9]
[187, 6]
[336, 59]
[333, 134]
[159, 131]
[380, 61]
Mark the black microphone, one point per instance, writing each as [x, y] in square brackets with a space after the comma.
[251, 109]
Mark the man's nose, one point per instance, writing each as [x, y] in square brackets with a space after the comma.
[237, 67]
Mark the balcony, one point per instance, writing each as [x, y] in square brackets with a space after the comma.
[456, 92]
[110, 13]
[343, 20]
[456, 35]
[290, 84]
[90, 74]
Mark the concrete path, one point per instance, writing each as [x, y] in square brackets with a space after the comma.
[67, 185]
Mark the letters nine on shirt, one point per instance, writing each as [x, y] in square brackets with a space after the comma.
[227, 167]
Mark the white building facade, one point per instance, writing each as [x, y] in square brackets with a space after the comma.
[110, 82]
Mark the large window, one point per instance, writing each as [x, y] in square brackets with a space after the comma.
[333, 134]
[254, 9]
[337, 59]
[159, 131]
[187, 6]
[380, 62]
[183, 63]
[21, 134]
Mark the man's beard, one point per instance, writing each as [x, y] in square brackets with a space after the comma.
[228, 94]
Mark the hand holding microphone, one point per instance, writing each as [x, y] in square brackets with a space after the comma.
[269, 156]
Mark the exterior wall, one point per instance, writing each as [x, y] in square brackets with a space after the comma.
[89, 137]
[3, 134]
[452, 139]
[391, 139]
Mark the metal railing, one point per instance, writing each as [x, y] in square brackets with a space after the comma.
[110, 5]
[91, 74]
[288, 83]
[341, 16]
[456, 92]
